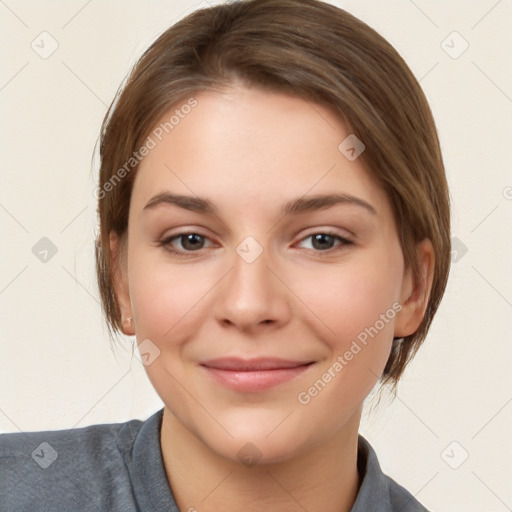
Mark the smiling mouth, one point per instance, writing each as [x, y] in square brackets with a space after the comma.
[254, 375]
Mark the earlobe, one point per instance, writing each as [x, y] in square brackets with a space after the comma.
[415, 295]
[120, 280]
[127, 326]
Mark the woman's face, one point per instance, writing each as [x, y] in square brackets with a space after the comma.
[266, 269]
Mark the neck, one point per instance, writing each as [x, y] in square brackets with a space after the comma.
[323, 478]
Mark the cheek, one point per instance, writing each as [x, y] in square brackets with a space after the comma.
[169, 305]
[166, 299]
[356, 304]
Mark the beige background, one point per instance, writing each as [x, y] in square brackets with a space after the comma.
[56, 367]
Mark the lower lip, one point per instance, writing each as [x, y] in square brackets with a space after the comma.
[254, 381]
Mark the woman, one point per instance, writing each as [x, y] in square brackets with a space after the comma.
[275, 231]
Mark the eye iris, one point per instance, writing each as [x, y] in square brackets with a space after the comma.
[192, 241]
[322, 241]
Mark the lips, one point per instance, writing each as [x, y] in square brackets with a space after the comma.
[254, 375]
[248, 365]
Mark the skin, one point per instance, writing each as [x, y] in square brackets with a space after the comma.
[250, 151]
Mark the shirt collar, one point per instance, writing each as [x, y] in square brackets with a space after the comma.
[147, 470]
[373, 491]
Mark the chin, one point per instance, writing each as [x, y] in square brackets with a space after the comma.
[258, 452]
[262, 441]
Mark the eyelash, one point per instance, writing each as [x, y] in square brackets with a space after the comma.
[166, 243]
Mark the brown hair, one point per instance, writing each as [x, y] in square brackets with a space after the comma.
[312, 50]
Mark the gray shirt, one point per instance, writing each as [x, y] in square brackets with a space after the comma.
[119, 468]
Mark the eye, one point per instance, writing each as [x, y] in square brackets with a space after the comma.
[326, 242]
[183, 244]
[186, 242]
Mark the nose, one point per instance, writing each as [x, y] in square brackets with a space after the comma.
[253, 296]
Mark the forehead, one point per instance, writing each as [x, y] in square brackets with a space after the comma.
[249, 145]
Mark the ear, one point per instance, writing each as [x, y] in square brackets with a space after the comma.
[120, 279]
[414, 295]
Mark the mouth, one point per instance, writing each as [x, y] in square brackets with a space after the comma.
[254, 375]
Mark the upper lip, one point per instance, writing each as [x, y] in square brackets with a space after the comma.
[261, 363]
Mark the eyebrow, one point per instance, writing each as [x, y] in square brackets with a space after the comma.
[295, 206]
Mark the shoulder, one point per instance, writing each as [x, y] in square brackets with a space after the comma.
[86, 440]
[62, 469]
[379, 492]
